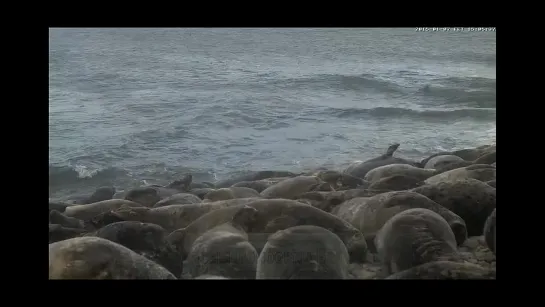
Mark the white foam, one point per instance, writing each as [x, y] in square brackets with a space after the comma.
[84, 172]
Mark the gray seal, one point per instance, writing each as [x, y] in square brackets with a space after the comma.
[445, 270]
[88, 211]
[471, 199]
[370, 214]
[360, 169]
[489, 231]
[145, 239]
[414, 237]
[303, 252]
[274, 215]
[224, 250]
[178, 199]
[292, 188]
[482, 172]
[384, 171]
[97, 258]
[442, 161]
[253, 176]
[231, 193]
[174, 217]
[396, 183]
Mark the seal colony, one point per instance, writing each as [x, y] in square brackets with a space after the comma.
[384, 218]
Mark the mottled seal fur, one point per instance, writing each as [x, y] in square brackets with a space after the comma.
[231, 193]
[414, 237]
[100, 194]
[492, 183]
[145, 239]
[360, 169]
[303, 252]
[224, 250]
[55, 217]
[384, 171]
[175, 216]
[396, 183]
[482, 172]
[274, 215]
[445, 270]
[253, 176]
[88, 211]
[441, 161]
[97, 258]
[489, 231]
[291, 188]
[58, 232]
[471, 199]
[178, 199]
[370, 214]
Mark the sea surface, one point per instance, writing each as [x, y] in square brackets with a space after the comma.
[134, 106]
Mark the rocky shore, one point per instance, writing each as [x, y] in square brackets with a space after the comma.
[384, 218]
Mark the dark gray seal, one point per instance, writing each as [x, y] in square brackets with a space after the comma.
[59, 206]
[489, 231]
[231, 193]
[253, 176]
[303, 252]
[274, 215]
[414, 237]
[100, 194]
[145, 239]
[178, 199]
[445, 270]
[97, 258]
[224, 250]
[59, 233]
[471, 199]
[370, 214]
[174, 216]
[55, 217]
[145, 196]
[360, 169]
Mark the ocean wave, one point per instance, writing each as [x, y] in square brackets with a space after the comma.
[386, 112]
[360, 82]
[68, 175]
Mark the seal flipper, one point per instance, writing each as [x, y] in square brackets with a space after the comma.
[390, 151]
